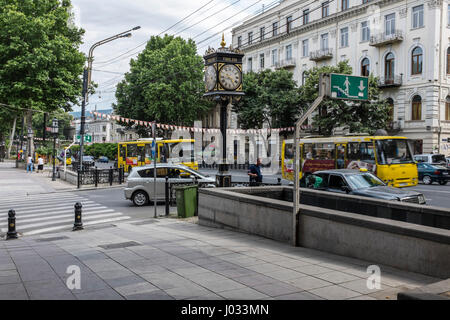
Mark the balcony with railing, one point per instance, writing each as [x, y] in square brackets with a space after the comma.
[322, 54]
[285, 64]
[384, 38]
[390, 81]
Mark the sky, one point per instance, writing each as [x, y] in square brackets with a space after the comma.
[198, 19]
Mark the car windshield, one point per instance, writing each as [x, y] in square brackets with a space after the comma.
[361, 181]
[192, 171]
[393, 151]
[438, 158]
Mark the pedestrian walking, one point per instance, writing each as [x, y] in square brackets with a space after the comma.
[254, 173]
[40, 164]
[30, 164]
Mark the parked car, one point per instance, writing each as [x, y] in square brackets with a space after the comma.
[103, 159]
[429, 173]
[140, 181]
[431, 158]
[359, 183]
[88, 161]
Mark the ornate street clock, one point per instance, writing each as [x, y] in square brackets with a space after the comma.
[223, 72]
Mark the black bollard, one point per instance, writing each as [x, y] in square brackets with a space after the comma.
[110, 176]
[12, 233]
[78, 225]
[279, 181]
[167, 196]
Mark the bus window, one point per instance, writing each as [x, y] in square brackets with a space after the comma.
[352, 151]
[123, 151]
[131, 150]
[309, 151]
[324, 151]
[367, 152]
[141, 153]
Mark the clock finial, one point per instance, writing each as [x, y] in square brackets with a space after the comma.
[223, 43]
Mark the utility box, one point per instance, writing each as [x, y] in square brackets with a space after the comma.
[187, 204]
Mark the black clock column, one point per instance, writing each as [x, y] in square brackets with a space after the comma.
[223, 179]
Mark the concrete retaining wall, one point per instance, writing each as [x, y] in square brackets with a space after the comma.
[70, 176]
[404, 245]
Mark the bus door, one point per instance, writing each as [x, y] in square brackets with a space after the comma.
[122, 155]
[141, 154]
[163, 152]
[340, 156]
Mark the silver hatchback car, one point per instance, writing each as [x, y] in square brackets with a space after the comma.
[140, 181]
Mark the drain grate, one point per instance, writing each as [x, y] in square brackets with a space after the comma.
[120, 245]
[140, 223]
[52, 239]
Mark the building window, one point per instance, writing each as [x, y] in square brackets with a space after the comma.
[325, 9]
[448, 60]
[416, 61]
[417, 16]
[344, 5]
[416, 108]
[289, 52]
[390, 102]
[261, 60]
[303, 77]
[389, 24]
[250, 37]
[448, 15]
[274, 57]
[447, 108]
[262, 32]
[104, 128]
[250, 64]
[305, 16]
[324, 41]
[365, 31]
[239, 41]
[389, 64]
[365, 1]
[305, 49]
[344, 37]
[275, 28]
[365, 67]
[288, 24]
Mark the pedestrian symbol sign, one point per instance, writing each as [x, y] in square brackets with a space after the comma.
[87, 138]
[343, 86]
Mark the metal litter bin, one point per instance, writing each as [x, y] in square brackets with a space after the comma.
[186, 200]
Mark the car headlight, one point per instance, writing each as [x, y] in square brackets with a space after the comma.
[421, 198]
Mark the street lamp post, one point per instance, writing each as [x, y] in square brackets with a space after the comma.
[55, 130]
[87, 80]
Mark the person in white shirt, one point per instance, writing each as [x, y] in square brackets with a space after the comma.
[40, 164]
[30, 164]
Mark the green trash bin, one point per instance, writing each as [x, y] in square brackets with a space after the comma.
[186, 200]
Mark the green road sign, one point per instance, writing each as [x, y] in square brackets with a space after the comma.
[87, 138]
[348, 87]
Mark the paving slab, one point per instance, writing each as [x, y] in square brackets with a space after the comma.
[334, 292]
[13, 291]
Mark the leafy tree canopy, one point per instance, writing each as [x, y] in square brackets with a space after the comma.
[165, 83]
[64, 120]
[271, 97]
[364, 117]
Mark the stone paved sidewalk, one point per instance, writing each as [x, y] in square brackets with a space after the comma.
[171, 259]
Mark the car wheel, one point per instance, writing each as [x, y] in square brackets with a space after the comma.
[140, 198]
[427, 180]
[443, 182]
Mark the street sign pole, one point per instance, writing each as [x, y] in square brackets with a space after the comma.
[154, 168]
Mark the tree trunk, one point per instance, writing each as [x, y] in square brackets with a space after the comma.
[30, 137]
[11, 139]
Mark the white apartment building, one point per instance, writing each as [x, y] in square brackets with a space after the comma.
[404, 43]
[106, 131]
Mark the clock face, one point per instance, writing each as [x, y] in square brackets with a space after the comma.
[210, 78]
[230, 77]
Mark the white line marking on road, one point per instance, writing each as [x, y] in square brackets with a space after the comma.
[50, 207]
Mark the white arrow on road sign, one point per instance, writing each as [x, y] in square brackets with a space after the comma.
[361, 86]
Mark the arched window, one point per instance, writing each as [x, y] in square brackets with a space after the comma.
[390, 102]
[365, 67]
[447, 108]
[303, 77]
[416, 61]
[448, 60]
[389, 64]
[416, 113]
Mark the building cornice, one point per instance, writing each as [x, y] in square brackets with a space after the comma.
[332, 19]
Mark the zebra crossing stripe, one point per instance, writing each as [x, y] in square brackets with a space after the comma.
[30, 208]
[39, 231]
[20, 215]
[41, 197]
[32, 203]
[22, 220]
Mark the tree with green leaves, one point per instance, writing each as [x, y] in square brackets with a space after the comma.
[356, 116]
[165, 84]
[64, 124]
[270, 97]
[40, 61]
